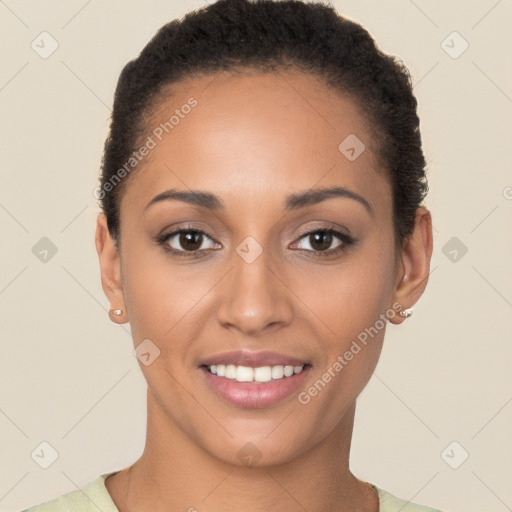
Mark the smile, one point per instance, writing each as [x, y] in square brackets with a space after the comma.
[259, 374]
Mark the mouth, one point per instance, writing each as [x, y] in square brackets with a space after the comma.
[254, 379]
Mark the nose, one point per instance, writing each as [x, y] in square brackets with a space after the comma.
[254, 298]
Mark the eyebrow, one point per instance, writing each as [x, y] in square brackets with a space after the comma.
[293, 201]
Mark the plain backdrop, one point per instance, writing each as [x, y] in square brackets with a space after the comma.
[442, 390]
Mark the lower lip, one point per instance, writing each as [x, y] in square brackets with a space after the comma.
[255, 394]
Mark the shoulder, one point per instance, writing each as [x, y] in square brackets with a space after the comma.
[90, 498]
[390, 503]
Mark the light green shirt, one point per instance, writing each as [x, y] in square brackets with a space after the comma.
[94, 497]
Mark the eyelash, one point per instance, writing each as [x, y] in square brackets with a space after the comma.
[343, 237]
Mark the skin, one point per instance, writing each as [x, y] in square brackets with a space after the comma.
[252, 155]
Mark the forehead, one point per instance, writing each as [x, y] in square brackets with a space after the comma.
[252, 136]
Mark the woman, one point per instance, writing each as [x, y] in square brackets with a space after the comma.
[261, 222]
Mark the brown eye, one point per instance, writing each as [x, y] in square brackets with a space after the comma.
[326, 242]
[190, 241]
[321, 240]
[187, 241]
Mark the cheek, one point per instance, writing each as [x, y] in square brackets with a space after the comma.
[351, 303]
[350, 297]
[163, 298]
[356, 315]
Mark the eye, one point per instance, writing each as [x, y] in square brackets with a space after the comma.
[187, 241]
[320, 241]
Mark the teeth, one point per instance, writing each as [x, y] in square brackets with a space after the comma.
[259, 374]
[263, 374]
[230, 371]
[277, 372]
[288, 371]
[244, 374]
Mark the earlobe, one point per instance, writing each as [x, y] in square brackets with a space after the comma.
[415, 257]
[110, 268]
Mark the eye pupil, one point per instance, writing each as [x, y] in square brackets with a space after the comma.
[193, 237]
[323, 238]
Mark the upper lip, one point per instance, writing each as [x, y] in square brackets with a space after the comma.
[253, 359]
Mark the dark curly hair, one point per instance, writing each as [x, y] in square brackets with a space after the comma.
[266, 35]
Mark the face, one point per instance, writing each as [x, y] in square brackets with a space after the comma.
[237, 268]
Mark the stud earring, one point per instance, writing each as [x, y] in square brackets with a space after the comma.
[406, 313]
[115, 315]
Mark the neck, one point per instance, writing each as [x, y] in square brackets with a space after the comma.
[174, 473]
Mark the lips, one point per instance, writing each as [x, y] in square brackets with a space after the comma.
[269, 382]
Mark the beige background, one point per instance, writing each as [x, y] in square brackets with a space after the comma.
[68, 376]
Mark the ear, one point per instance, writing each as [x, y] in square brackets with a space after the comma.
[414, 264]
[110, 266]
